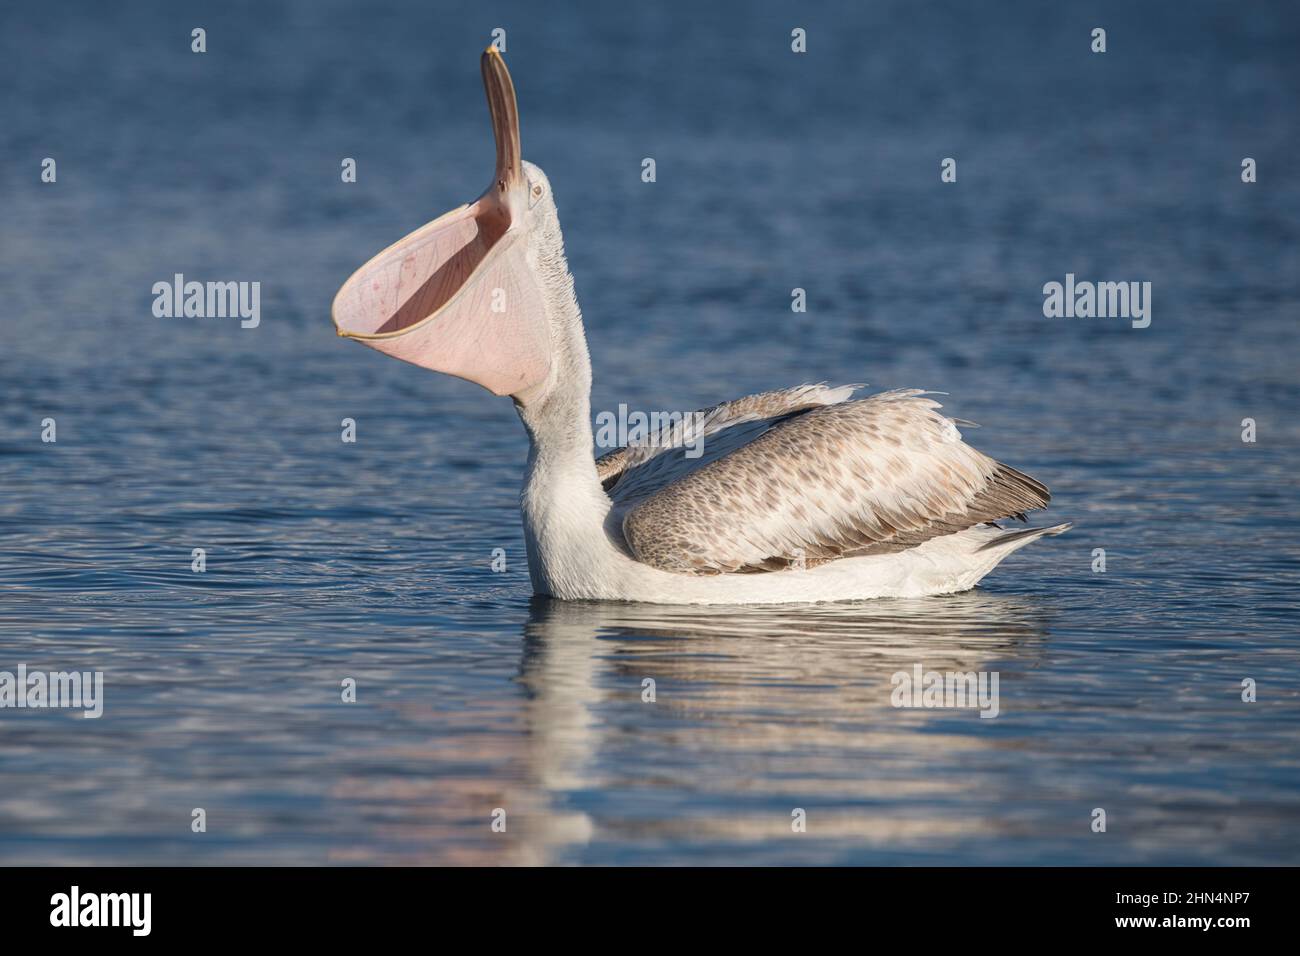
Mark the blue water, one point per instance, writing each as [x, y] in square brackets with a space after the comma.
[1119, 690]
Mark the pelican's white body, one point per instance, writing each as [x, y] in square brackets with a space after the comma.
[574, 555]
[575, 544]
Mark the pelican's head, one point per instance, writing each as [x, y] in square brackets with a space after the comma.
[466, 294]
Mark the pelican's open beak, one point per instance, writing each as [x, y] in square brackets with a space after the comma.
[457, 295]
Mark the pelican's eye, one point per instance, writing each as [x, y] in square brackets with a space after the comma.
[534, 194]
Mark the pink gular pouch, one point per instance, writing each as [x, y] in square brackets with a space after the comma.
[458, 295]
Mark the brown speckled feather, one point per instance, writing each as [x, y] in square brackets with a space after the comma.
[882, 474]
[632, 473]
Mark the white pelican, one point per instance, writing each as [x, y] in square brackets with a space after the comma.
[800, 495]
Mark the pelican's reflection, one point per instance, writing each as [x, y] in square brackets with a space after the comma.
[754, 709]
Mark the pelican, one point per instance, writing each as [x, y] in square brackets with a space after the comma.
[799, 495]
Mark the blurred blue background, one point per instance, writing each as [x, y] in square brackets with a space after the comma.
[774, 171]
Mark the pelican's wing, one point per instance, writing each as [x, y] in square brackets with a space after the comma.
[632, 473]
[864, 477]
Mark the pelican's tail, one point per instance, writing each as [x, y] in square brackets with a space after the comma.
[1015, 540]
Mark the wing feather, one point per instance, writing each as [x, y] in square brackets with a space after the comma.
[881, 474]
[635, 472]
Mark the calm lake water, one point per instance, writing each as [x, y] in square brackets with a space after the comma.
[1119, 690]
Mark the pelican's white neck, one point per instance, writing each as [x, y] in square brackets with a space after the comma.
[557, 412]
[564, 507]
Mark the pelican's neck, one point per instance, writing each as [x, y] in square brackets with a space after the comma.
[558, 421]
[557, 413]
[564, 506]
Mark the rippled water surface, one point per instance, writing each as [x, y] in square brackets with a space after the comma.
[1120, 690]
